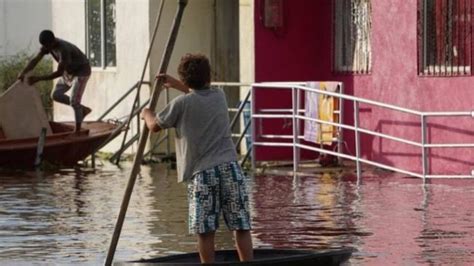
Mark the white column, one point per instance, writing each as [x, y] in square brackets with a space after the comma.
[247, 51]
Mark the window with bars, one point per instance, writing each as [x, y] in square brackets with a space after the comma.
[352, 35]
[100, 33]
[445, 37]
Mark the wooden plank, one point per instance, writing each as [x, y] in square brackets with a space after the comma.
[21, 112]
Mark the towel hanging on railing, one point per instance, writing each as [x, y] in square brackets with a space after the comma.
[319, 106]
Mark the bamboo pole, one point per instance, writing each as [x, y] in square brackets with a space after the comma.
[145, 132]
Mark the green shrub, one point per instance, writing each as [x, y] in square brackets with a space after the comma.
[10, 66]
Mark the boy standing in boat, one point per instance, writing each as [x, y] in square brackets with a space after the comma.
[206, 156]
[73, 68]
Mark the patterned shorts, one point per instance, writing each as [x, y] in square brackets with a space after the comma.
[219, 188]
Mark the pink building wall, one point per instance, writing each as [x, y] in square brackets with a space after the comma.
[302, 50]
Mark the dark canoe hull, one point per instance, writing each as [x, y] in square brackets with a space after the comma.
[63, 147]
[273, 257]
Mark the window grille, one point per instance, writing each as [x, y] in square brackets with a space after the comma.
[352, 36]
[444, 37]
[100, 32]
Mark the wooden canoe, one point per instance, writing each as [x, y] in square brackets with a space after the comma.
[273, 257]
[64, 147]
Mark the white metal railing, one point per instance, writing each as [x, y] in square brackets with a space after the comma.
[295, 115]
[244, 89]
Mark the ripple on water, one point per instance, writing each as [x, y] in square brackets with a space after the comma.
[67, 217]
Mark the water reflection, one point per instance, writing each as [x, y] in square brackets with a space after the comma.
[303, 212]
[447, 229]
[67, 217]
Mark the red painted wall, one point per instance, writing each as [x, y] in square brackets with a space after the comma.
[302, 51]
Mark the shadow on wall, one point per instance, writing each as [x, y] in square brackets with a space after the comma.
[436, 134]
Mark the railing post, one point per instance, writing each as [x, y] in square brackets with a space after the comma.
[424, 137]
[118, 102]
[340, 138]
[240, 110]
[254, 126]
[295, 104]
[168, 143]
[242, 135]
[357, 138]
[93, 160]
[298, 123]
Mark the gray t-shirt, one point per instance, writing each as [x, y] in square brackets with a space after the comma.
[203, 137]
[74, 60]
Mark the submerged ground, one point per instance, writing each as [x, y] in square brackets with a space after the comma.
[68, 216]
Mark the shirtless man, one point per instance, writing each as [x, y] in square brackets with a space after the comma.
[73, 69]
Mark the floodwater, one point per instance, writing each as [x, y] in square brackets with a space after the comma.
[68, 216]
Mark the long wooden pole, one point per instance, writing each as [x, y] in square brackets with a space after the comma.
[144, 136]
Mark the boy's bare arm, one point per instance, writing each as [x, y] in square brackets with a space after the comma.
[171, 82]
[150, 120]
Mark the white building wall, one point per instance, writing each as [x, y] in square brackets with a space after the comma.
[20, 23]
[135, 23]
[69, 21]
[107, 85]
[195, 35]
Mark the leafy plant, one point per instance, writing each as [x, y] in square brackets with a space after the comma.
[10, 66]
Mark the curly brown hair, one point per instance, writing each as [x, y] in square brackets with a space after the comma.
[194, 70]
